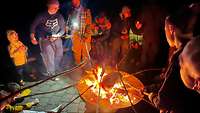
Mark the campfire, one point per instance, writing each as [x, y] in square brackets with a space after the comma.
[112, 92]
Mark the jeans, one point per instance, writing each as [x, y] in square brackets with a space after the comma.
[68, 58]
[68, 44]
[20, 71]
[119, 49]
[52, 53]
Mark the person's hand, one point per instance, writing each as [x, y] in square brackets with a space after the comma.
[52, 39]
[33, 39]
[151, 96]
[22, 48]
[141, 91]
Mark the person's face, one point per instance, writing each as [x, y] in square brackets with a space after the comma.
[53, 8]
[169, 32]
[190, 78]
[126, 12]
[76, 3]
[13, 37]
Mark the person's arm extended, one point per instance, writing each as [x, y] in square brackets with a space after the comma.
[164, 98]
[34, 25]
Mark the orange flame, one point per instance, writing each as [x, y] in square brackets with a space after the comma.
[111, 94]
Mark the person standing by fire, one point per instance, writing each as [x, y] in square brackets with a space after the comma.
[136, 42]
[79, 25]
[119, 35]
[49, 27]
[101, 34]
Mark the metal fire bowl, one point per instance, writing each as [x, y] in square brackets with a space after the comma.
[131, 82]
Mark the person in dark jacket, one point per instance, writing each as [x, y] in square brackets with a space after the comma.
[49, 27]
[174, 96]
[101, 35]
[120, 35]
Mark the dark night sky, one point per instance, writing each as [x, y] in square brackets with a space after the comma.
[18, 14]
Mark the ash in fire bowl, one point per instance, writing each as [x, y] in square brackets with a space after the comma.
[112, 94]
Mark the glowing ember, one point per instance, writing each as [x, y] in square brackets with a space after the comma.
[112, 94]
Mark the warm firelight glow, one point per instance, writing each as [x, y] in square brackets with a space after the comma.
[112, 94]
